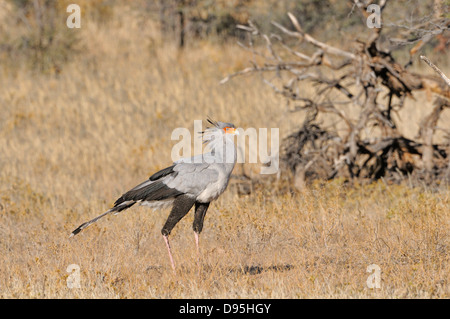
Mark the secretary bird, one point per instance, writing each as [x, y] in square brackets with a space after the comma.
[197, 180]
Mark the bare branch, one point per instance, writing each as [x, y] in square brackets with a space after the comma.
[436, 69]
[242, 72]
[325, 47]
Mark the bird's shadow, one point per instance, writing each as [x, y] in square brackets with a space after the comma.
[256, 270]
[243, 270]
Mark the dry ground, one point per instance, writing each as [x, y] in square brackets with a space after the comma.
[266, 245]
[71, 144]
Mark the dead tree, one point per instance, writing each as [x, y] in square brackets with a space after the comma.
[366, 78]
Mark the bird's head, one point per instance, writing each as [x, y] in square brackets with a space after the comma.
[219, 138]
[222, 127]
[218, 129]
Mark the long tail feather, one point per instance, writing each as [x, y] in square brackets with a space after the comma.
[115, 209]
[86, 224]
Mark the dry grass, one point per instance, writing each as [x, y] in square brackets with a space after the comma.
[72, 143]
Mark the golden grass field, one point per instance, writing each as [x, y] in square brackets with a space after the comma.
[72, 143]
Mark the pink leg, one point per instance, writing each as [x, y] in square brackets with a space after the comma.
[196, 243]
[198, 250]
[166, 240]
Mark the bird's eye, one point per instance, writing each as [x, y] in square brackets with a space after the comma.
[229, 130]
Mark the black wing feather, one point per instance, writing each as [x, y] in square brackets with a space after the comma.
[151, 192]
[164, 172]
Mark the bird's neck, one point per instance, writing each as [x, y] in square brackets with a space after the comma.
[224, 150]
